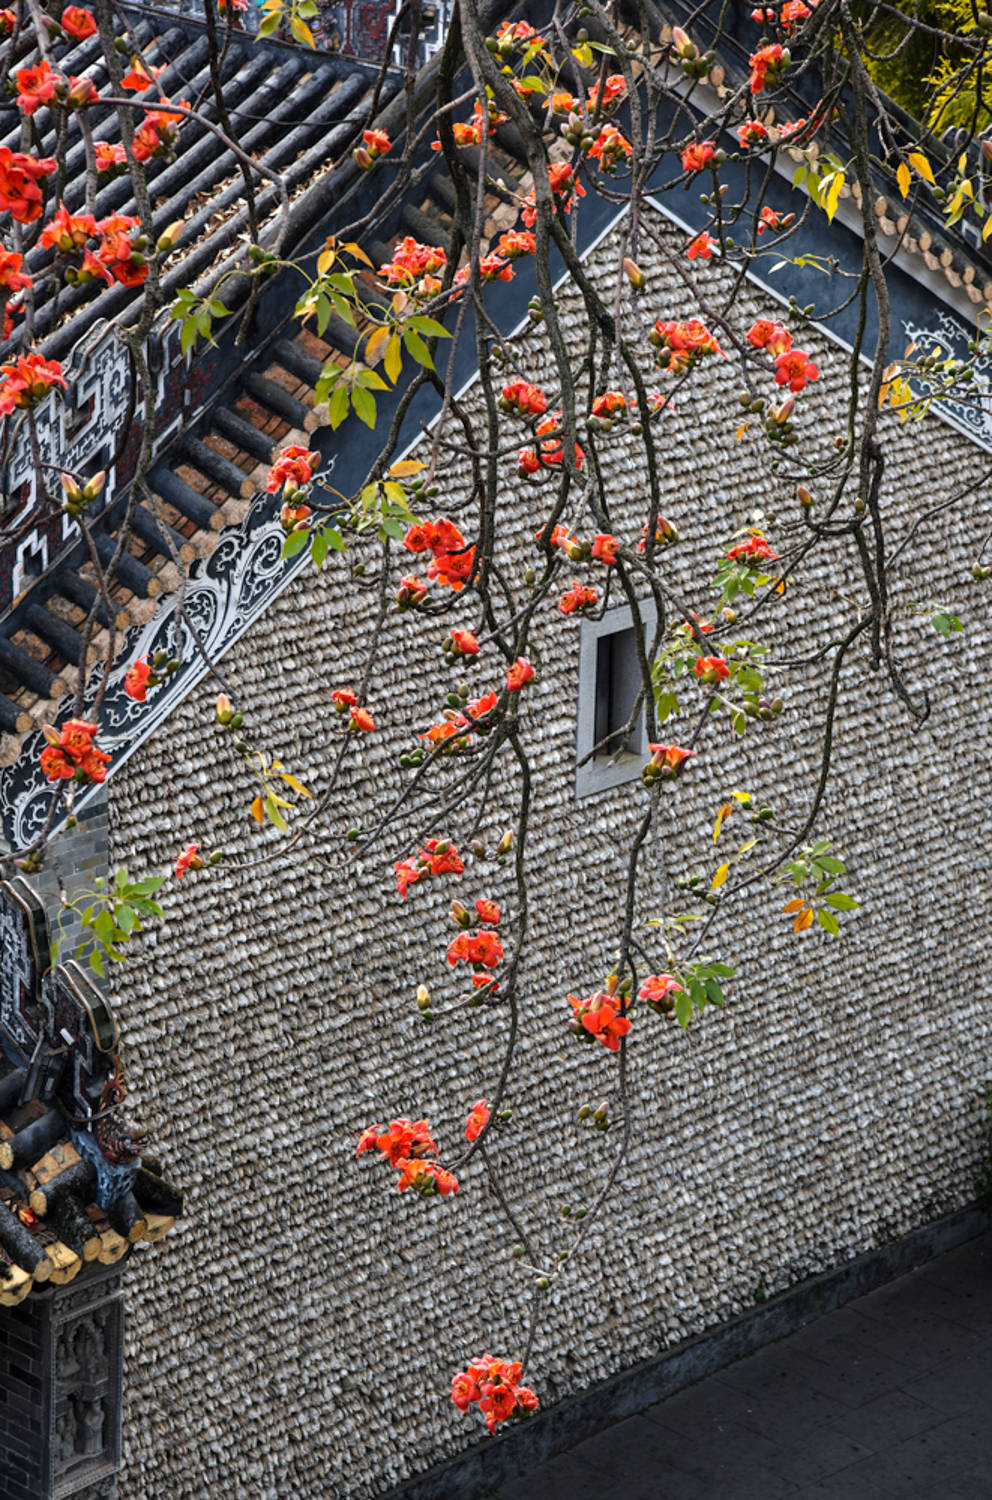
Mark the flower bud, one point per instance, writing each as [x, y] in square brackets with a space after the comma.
[634, 274]
[459, 915]
[93, 487]
[505, 844]
[216, 857]
[167, 239]
[73, 493]
[225, 710]
[803, 496]
[423, 997]
[361, 158]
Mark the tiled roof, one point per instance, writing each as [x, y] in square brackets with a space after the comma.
[73, 1185]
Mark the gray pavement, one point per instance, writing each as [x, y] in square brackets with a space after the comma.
[890, 1396]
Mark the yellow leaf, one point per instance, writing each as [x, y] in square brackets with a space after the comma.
[405, 467]
[919, 161]
[301, 32]
[796, 905]
[744, 798]
[721, 818]
[804, 920]
[296, 785]
[258, 810]
[720, 877]
[357, 252]
[376, 345]
[745, 847]
[833, 196]
[963, 162]
[583, 55]
[903, 177]
[967, 188]
[325, 261]
[883, 391]
[745, 425]
[987, 227]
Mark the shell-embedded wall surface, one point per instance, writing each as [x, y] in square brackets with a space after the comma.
[300, 1334]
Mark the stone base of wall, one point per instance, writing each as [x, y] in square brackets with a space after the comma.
[544, 1436]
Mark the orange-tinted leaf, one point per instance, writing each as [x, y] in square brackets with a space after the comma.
[804, 920]
[258, 810]
[796, 905]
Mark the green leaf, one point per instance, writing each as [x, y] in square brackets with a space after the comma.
[343, 309]
[417, 349]
[127, 919]
[337, 407]
[295, 542]
[334, 537]
[683, 1009]
[831, 865]
[274, 815]
[392, 527]
[713, 992]
[429, 325]
[828, 921]
[364, 403]
[371, 381]
[301, 32]
[840, 902]
[319, 546]
[187, 337]
[96, 962]
[269, 23]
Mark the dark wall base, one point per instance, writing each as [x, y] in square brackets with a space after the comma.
[484, 1467]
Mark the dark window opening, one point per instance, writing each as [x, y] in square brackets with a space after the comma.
[618, 681]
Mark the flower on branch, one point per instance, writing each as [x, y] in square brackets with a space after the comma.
[578, 597]
[666, 762]
[477, 1121]
[775, 222]
[20, 173]
[524, 399]
[606, 94]
[27, 380]
[664, 534]
[403, 1139]
[188, 860]
[67, 232]
[752, 133]
[437, 857]
[795, 369]
[519, 675]
[494, 1384]
[611, 149]
[771, 336]
[711, 669]
[597, 1018]
[702, 247]
[659, 991]
[682, 345]
[37, 86]
[564, 187]
[516, 242]
[487, 911]
[12, 278]
[426, 1177]
[452, 559]
[71, 753]
[699, 155]
[78, 22]
[754, 551]
[605, 548]
[767, 66]
[137, 680]
[294, 465]
[480, 949]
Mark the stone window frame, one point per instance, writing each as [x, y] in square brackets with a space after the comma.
[604, 771]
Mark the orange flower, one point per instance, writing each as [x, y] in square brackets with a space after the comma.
[564, 187]
[361, 720]
[611, 149]
[343, 698]
[37, 85]
[79, 23]
[754, 551]
[523, 399]
[795, 369]
[377, 142]
[516, 242]
[464, 642]
[487, 911]
[711, 669]
[188, 860]
[698, 155]
[681, 345]
[752, 133]
[666, 762]
[475, 1124]
[404, 1139]
[702, 247]
[578, 597]
[519, 675]
[12, 278]
[596, 1017]
[67, 232]
[137, 679]
[659, 991]
[141, 76]
[412, 591]
[605, 548]
[27, 380]
[20, 194]
[479, 707]
[480, 949]
[606, 94]
[425, 1177]
[294, 465]
[767, 65]
[110, 156]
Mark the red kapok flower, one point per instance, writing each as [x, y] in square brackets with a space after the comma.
[665, 763]
[516, 242]
[602, 96]
[771, 220]
[20, 173]
[361, 720]
[294, 465]
[711, 669]
[698, 155]
[78, 22]
[487, 911]
[752, 133]
[524, 399]
[795, 369]
[659, 990]
[767, 334]
[188, 860]
[37, 85]
[405, 1139]
[753, 551]
[578, 597]
[605, 548]
[343, 699]
[425, 1177]
[611, 149]
[27, 380]
[702, 247]
[136, 680]
[519, 675]
[476, 1122]
[412, 591]
[597, 1017]
[680, 345]
[465, 642]
[767, 65]
[481, 949]
[12, 278]
[377, 143]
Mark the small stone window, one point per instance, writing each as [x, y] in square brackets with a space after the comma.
[609, 681]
